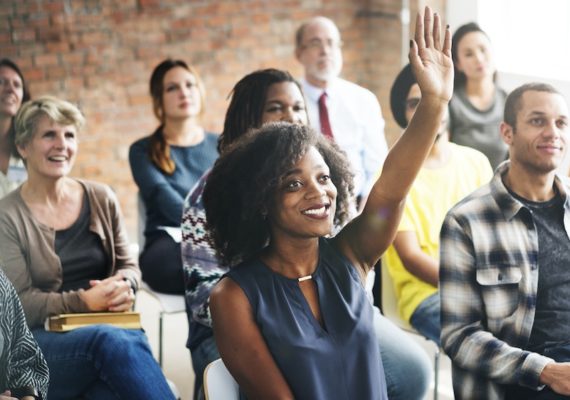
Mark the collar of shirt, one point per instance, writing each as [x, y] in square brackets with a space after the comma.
[507, 203]
[313, 93]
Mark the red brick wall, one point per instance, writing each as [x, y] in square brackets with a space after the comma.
[100, 54]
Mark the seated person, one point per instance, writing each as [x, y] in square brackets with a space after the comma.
[65, 249]
[258, 98]
[166, 165]
[505, 252]
[449, 173]
[271, 200]
[13, 92]
[23, 369]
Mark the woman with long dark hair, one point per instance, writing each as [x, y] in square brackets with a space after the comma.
[165, 166]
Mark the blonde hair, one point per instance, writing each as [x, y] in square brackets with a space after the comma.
[59, 111]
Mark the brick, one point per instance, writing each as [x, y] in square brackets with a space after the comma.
[42, 60]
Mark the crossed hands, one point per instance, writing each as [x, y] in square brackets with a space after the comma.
[431, 58]
[111, 294]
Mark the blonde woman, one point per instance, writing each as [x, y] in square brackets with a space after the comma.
[65, 249]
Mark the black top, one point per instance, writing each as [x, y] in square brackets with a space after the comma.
[81, 252]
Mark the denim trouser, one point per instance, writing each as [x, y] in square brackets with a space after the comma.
[101, 362]
[406, 365]
[426, 318]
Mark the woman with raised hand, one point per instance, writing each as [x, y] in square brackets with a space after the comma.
[65, 249]
[293, 319]
[13, 92]
[476, 108]
[166, 165]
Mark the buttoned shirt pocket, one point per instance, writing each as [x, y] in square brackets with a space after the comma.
[499, 290]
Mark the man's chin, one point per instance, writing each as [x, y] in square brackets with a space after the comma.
[325, 75]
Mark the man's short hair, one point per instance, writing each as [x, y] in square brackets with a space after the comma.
[514, 99]
[301, 30]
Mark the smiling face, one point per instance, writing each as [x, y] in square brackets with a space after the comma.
[320, 51]
[474, 56]
[11, 92]
[284, 103]
[305, 200]
[51, 151]
[181, 97]
[538, 141]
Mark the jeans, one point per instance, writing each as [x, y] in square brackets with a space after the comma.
[101, 362]
[202, 355]
[426, 319]
[407, 366]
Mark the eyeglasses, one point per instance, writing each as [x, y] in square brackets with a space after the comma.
[316, 44]
[412, 103]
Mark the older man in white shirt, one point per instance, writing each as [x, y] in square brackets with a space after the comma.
[342, 110]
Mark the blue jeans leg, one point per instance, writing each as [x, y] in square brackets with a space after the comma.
[202, 355]
[101, 359]
[426, 318]
[407, 366]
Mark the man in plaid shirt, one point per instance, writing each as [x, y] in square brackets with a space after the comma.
[505, 258]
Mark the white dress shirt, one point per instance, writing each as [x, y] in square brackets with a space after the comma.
[357, 126]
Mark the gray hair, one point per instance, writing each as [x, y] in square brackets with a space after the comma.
[59, 111]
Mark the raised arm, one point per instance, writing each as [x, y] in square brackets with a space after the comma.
[365, 239]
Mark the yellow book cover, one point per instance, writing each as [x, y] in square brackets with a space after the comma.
[68, 322]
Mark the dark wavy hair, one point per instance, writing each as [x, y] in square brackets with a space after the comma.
[459, 77]
[7, 63]
[245, 178]
[247, 102]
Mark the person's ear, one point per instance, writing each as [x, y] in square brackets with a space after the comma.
[298, 53]
[507, 133]
[22, 151]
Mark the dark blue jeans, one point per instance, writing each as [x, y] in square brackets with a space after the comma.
[426, 319]
[101, 362]
[202, 355]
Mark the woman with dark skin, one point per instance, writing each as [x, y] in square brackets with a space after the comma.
[271, 200]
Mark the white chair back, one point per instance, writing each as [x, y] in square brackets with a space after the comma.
[219, 384]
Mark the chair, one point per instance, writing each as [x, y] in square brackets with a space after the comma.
[219, 384]
[169, 303]
[390, 311]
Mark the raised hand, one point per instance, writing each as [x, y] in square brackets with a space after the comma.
[430, 58]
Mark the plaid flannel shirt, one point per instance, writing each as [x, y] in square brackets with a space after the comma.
[488, 285]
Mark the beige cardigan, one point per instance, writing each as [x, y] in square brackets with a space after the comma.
[30, 261]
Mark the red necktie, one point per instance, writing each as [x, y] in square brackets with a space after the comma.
[324, 117]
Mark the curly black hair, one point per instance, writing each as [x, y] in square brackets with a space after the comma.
[244, 180]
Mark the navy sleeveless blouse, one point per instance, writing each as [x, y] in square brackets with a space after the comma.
[339, 361]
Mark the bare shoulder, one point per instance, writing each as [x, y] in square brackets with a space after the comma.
[227, 295]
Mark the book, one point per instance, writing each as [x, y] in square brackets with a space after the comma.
[68, 322]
